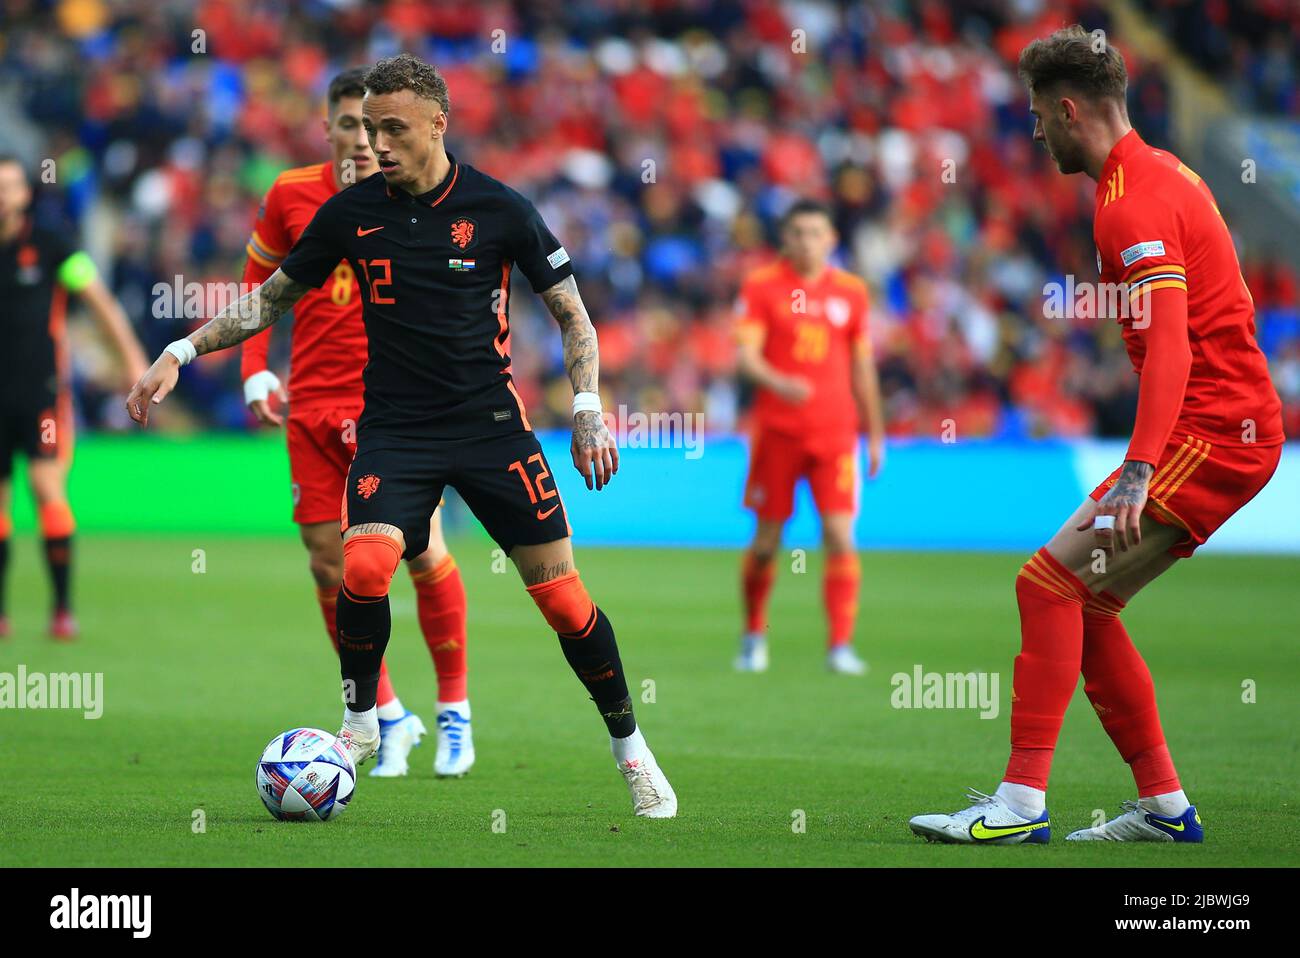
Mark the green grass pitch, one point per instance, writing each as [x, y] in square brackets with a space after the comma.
[201, 670]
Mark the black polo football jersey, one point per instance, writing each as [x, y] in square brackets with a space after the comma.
[435, 294]
[32, 302]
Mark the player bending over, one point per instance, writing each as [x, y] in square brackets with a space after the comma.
[433, 241]
[38, 269]
[325, 402]
[1207, 438]
[802, 331]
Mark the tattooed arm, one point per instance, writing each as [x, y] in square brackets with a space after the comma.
[595, 453]
[241, 319]
[1125, 502]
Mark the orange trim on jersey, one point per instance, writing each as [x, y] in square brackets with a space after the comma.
[751, 331]
[1167, 268]
[1115, 185]
[762, 274]
[1152, 287]
[503, 333]
[299, 174]
[523, 413]
[455, 172]
[1192, 176]
[265, 247]
[853, 281]
[503, 324]
[261, 260]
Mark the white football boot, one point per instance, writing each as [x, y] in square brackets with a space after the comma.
[396, 739]
[357, 744]
[455, 744]
[652, 796]
[1138, 824]
[844, 661]
[988, 820]
[753, 653]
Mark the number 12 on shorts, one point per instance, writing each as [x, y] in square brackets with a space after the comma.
[533, 486]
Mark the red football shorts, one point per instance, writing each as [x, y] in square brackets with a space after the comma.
[1197, 486]
[777, 463]
[322, 442]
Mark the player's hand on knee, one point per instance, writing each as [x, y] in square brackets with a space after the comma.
[153, 387]
[595, 453]
[1117, 518]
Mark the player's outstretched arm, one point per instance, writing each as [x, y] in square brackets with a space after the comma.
[238, 321]
[595, 454]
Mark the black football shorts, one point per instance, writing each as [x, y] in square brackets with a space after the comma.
[38, 426]
[505, 480]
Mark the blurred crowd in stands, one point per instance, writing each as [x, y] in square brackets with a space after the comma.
[660, 141]
[1252, 47]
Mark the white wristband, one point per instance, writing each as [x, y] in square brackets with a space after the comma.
[586, 402]
[183, 350]
[259, 386]
[1103, 522]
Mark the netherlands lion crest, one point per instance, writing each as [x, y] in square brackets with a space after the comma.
[464, 232]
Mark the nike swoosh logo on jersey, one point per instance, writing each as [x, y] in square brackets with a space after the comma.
[981, 832]
[373, 229]
[546, 515]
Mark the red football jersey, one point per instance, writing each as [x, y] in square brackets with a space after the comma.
[810, 328]
[329, 339]
[1157, 227]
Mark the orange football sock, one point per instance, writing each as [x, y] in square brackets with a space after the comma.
[756, 585]
[442, 609]
[840, 596]
[1051, 602]
[1118, 684]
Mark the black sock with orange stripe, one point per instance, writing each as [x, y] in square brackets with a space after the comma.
[587, 640]
[594, 660]
[364, 624]
[57, 527]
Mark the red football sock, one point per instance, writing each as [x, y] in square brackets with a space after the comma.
[442, 609]
[1118, 684]
[1051, 602]
[329, 605]
[756, 585]
[840, 596]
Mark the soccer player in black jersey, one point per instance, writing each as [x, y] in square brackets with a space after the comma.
[39, 268]
[433, 242]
